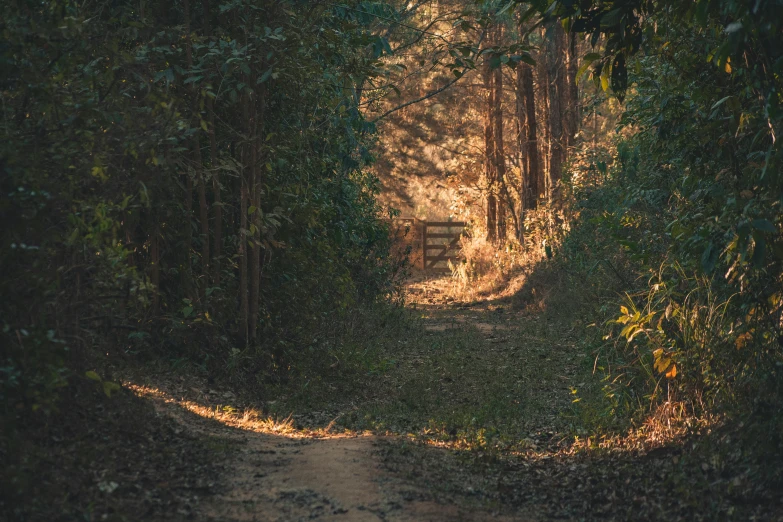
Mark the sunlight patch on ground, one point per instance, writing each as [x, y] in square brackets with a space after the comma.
[667, 427]
[248, 419]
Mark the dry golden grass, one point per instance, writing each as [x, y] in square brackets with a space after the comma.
[245, 418]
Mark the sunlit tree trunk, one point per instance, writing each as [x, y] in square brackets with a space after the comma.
[573, 118]
[489, 150]
[542, 115]
[528, 139]
[555, 51]
[499, 151]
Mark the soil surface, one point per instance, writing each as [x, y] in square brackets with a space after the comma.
[292, 475]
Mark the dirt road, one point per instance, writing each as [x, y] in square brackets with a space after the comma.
[295, 476]
[468, 414]
[275, 472]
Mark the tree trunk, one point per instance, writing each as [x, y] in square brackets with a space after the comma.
[187, 268]
[499, 156]
[213, 160]
[186, 278]
[255, 257]
[526, 113]
[197, 165]
[572, 91]
[489, 150]
[155, 268]
[204, 218]
[542, 83]
[242, 250]
[555, 72]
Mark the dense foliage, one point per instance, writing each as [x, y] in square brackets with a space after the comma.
[182, 178]
[691, 205]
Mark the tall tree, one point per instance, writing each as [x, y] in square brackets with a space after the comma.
[573, 116]
[246, 181]
[490, 157]
[555, 51]
[213, 161]
[528, 135]
[542, 113]
[196, 163]
[258, 108]
[499, 156]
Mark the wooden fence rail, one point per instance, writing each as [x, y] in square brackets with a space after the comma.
[442, 251]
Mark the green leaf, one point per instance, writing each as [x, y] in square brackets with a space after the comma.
[612, 18]
[110, 387]
[605, 79]
[264, 77]
[719, 102]
[619, 77]
[591, 57]
[506, 7]
[93, 376]
[763, 225]
[386, 47]
[526, 58]
[586, 62]
[709, 258]
[759, 251]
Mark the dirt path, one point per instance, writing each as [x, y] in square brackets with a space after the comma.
[338, 478]
[464, 413]
[274, 473]
[278, 472]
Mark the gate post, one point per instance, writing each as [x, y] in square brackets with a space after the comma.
[424, 244]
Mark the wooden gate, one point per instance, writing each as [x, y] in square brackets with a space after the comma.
[440, 244]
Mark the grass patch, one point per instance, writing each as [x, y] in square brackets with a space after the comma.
[482, 377]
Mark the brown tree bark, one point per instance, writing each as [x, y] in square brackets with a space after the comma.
[204, 219]
[198, 165]
[243, 239]
[186, 274]
[555, 51]
[213, 160]
[499, 156]
[542, 94]
[573, 91]
[489, 150]
[528, 138]
[257, 110]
